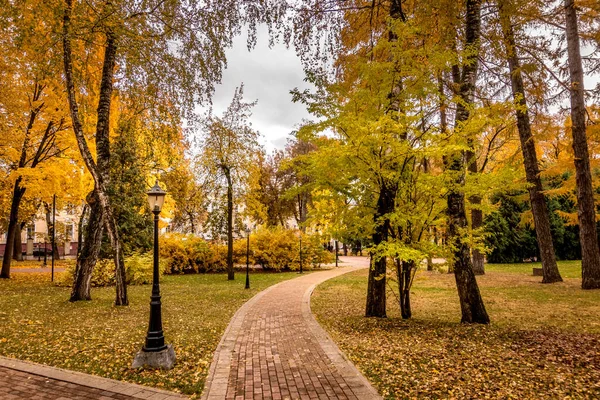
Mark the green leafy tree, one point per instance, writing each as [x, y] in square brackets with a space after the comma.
[229, 147]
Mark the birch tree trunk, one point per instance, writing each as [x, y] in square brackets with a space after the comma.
[102, 128]
[532, 172]
[590, 252]
[89, 252]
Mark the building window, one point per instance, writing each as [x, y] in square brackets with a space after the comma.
[69, 231]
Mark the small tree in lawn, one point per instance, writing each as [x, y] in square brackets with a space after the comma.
[230, 145]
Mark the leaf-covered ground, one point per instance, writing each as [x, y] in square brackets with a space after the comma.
[544, 340]
[39, 324]
[34, 264]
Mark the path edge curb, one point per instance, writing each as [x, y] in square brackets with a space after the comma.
[92, 381]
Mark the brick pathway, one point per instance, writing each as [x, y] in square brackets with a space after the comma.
[274, 349]
[24, 380]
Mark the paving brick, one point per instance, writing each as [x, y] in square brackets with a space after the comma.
[20, 385]
[274, 351]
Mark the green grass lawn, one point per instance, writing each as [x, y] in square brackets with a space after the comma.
[568, 269]
[543, 341]
[39, 324]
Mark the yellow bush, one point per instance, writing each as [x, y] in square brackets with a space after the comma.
[272, 248]
[279, 249]
[186, 254]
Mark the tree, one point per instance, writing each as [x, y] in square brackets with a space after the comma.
[269, 201]
[190, 197]
[229, 147]
[532, 170]
[590, 251]
[139, 38]
[300, 183]
[472, 307]
[38, 144]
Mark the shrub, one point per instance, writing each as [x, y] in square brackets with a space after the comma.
[273, 248]
[186, 254]
[279, 249]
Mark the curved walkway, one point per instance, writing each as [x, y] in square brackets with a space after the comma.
[274, 349]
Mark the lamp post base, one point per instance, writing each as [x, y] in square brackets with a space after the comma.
[164, 359]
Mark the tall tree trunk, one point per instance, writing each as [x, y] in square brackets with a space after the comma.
[18, 244]
[80, 225]
[386, 202]
[230, 273]
[476, 217]
[13, 222]
[590, 252]
[89, 252]
[376, 284]
[471, 303]
[404, 273]
[532, 172]
[102, 125]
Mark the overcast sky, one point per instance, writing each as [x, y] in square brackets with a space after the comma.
[268, 75]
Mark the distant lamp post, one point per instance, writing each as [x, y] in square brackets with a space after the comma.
[248, 257]
[336, 253]
[53, 234]
[155, 353]
[300, 237]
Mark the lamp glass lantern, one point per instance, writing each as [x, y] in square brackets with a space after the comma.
[156, 198]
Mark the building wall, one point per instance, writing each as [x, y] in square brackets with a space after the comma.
[66, 232]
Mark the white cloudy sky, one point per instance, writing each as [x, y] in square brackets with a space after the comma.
[268, 75]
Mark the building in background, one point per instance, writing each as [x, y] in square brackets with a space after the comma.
[35, 236]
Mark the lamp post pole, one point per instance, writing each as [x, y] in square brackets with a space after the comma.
[336, 253]
[155, 339]
[53, 234]
[155, 353]
[300, 252]
[247, 258]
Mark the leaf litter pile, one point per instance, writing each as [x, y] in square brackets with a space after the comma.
[39, 324]
[544, 340]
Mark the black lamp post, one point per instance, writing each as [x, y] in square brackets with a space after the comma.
[336, 253]
[155, 341]
[53, 233]
[247, 257]
[155, 353]
[300, 236]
